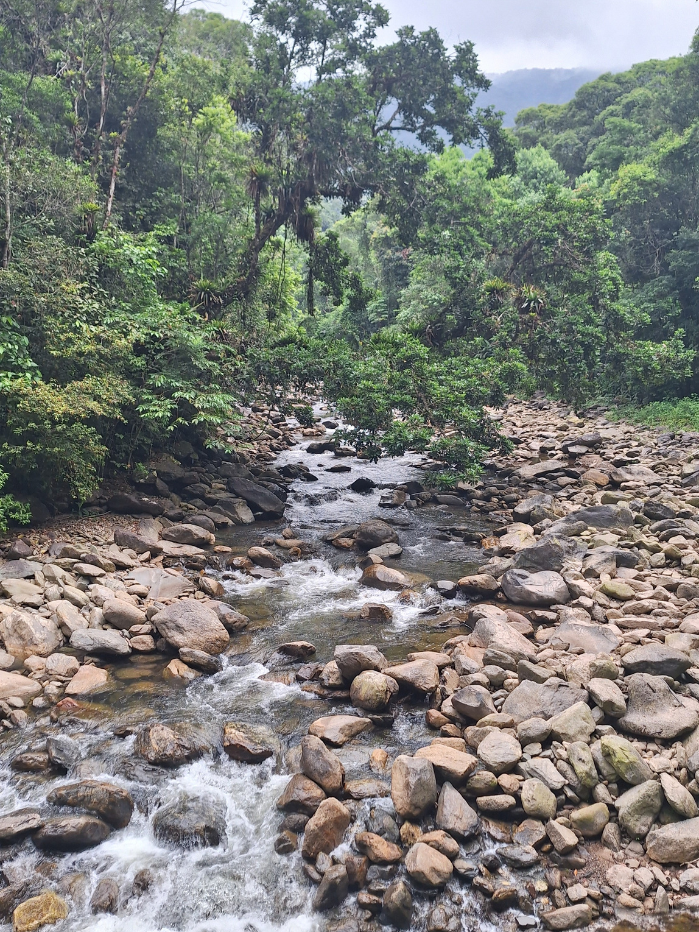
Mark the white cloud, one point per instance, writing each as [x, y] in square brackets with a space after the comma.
[512, 34]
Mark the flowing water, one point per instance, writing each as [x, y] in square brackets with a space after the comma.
[244, 886]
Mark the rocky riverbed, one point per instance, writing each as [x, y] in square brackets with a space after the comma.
[312, 693]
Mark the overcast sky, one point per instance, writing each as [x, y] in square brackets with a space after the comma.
[509, 34]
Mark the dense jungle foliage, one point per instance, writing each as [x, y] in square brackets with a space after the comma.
[197, 213]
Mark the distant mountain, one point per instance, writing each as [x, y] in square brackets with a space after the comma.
[513, 91]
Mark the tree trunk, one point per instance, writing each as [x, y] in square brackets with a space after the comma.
[7, 226]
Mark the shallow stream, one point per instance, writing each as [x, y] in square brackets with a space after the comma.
[245, 886]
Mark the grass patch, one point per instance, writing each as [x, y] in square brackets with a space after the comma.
[681, 414]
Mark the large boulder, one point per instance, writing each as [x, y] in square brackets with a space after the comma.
[325, 829]
[46, 909]
[188, 623]
[159, 745]
[188, 534]
[449, 763]
[625, 760]
[427, 866]
[111, 803]
[378, 576]
[677, 843]
[543, 588]
[191, 822]
[473, 702]
[597, 516]
[321, 765]
[413, 786]
[420, 676]
[654, 711]
[492, 629]
[248, 745]
[21, 687]
[374, 533]
[130, 503]
[657, 660]
[639, 807]
[17, 824]
[551, 553]
[372, 691]
[454, 815]
[121, 614]
[26, 635]
[353, 659]
[105, 643]
[301, 795]
[541, 700]
[338, 729]
[500, 752]
[71, 833]
[592, 639]
[257, 496]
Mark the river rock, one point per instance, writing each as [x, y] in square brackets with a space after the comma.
[88, 679]
[539, 589]
[413, 787]
[157, 744]
[657, 660]
[537, 800]
[188, 623]
[111, 803]
[607, 695]
[105, 899]
[427, 866]
[43, 910]
[61, 665]
[590, 821]
[543, 468]
[551, 553]
[68, 618]
[639, 807]
[590, 638]
[19, 823]
[301, 795]
[654, 711]
[71, 833]
[241, 743]
[129, 503]
[199, 659]
[397, 906]
[625, 759]
[325, 829]
[492, 630]
[500, 752]
[338, 729]
[258, 497]
[139, 543]
[25, 635]
[573, 724]
[319, 764]
[454, 815]
[541, 700]
[372, 691]
[353, 659]
[121, 614]
[188, 534]
[378, 576]
[449, 763]
[104, 643]
[332, 889]
[191, 822]
[420, 676]
[14, 684]
[479, 584]
[561, 837]
[677, 843]
[473, 702]
[63, 751]
[375, 533]
[568, 917]
[679, 798]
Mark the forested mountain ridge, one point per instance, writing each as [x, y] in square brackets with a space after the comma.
[513, 91]
[163, 255]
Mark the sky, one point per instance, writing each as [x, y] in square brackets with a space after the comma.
[511, 34]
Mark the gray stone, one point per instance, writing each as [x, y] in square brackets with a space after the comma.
[677, 843]
[454, 815]
[625, 760]
[191, 822]
[607, 695]
[535, 700]
[106, 643]
[353, 659]
[413, 787]
[189, 623]
[25, 635]
[573, 724]
[639, 807]
[657, 660]
[654, 711]
[538, 589]
[678, 797]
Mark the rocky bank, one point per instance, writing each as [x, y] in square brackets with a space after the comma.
[560, 785]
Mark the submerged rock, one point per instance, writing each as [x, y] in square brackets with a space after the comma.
[192, 822]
